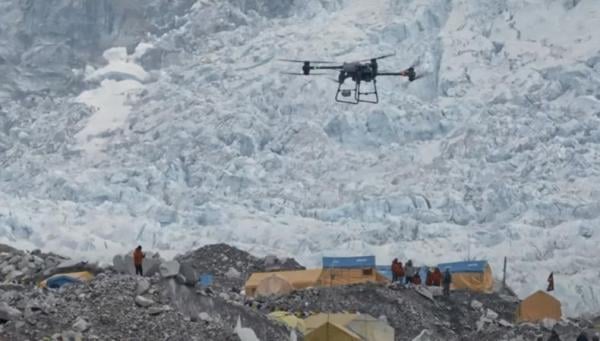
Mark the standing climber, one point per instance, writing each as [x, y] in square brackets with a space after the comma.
[436, 277]
[397, 270]
[409, 271]
[416, 279]
[138, 257]
[447, 281]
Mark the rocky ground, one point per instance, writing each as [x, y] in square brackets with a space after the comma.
[167, 305]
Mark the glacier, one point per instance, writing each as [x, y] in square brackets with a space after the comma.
[170, 125]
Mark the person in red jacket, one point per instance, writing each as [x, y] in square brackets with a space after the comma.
[397, 270]
[436, 278]
[416, 279]
[138, 258]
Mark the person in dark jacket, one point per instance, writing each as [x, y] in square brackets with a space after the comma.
[409, 271]
[138, 258]
[447, 281]
[397, 270]
[582, 337]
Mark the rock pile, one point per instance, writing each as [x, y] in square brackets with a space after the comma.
[229, 266]
[21, 267]
[111, 307]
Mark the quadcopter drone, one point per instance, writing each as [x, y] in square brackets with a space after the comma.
[359, 71]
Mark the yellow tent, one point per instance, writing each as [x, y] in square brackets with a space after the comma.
[299, 279]
[288, 319]
[330, 331]
[273, 285]
[347, 276]
[58, 280]
[370, 328]
[471, 275]
[324, 327]
[537, 307]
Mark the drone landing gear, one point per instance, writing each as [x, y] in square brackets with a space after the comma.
[356, 95]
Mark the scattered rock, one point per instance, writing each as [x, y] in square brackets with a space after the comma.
[143, 301]
[491, 314]
[143, 285]
[203, 316]
[476, 304]
[8, 313]
[158, 310]
[425, 335]
[81, 325]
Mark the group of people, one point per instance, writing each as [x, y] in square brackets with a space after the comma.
[409, 274]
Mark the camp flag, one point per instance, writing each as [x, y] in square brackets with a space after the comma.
[550, 282]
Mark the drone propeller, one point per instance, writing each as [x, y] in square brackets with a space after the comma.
[307, 61]
[378, 58]
[302, 74]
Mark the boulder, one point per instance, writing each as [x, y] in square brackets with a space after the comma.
[142, 286]
[188, 273]
[203, 316]
[81, 325]
[423, 291]
[169, 269]
[8, 313]
[271, 260]
[158, 310]
[143, 301]
[233, 273]
[491, 314]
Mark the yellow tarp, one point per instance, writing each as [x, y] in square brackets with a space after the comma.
[299, 279]
[537, 307]
[83, 276]
[474, 281]
[288, 319]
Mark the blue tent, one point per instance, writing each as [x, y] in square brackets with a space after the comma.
[349, 262]
[56, 282]
[469, 266]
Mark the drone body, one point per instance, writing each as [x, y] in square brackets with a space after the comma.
[359, 72]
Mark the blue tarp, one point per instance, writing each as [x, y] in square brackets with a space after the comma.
[205, 280]
[472, 266]
[385, 270]
[56, 282]
[349, 262]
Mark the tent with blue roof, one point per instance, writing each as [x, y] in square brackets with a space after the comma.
[470, 275]
[350, 270]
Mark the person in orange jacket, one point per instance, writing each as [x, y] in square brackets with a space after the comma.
[436, 277]
[138, 258]
[397, 270]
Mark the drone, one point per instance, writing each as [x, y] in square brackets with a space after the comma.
[362, 71]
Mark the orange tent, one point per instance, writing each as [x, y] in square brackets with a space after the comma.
[538, 307]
